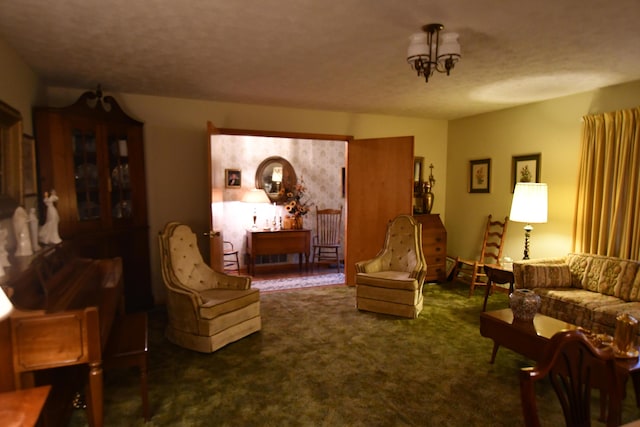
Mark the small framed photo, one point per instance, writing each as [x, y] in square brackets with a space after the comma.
[525, 169]
[480, 176]
[232, 178]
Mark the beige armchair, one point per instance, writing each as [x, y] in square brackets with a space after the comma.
[391, 283]
[207, 309]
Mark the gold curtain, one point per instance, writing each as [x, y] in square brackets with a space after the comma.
[607, 215]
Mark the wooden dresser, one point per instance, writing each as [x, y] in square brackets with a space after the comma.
[434, 246]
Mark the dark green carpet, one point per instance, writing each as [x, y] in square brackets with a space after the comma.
[320, 362]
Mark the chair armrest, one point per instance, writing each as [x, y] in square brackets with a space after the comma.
[183, 309]
[372, 265]
[228, 281]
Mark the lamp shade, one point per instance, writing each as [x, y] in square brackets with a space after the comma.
[255, 195]
[5, 304]
[276, 176]
[529, 203]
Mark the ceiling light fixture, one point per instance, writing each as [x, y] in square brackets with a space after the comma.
[427, 53]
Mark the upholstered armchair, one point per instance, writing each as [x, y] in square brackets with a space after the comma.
[207, 309]
[391, 283]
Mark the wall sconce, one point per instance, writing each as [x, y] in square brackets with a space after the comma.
[255, 196]
[529, 205]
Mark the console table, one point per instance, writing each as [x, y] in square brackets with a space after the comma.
[278, 242]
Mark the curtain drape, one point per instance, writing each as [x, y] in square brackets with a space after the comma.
[607, 214]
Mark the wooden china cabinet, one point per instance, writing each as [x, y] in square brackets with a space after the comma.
[91, 153]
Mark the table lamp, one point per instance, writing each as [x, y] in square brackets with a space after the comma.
[529, 205]
[276, 176]
[255, 196]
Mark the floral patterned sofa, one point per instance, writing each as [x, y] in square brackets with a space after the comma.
[583, 289]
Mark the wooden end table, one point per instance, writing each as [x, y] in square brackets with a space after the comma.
[23, 407]
[497, 274]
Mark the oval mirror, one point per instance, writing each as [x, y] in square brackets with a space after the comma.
[277, 177]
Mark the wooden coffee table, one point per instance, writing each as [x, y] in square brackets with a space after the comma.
[527, 338]
[531, 338]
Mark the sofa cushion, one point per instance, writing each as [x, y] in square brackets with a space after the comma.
[573, 305]
[603, 274]
[604, 318]
[219, 301]
[547, 276]
[389, 279]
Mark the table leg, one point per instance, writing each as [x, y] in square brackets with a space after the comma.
[486, 294]
[494, 352]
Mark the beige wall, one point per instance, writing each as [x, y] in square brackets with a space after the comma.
[175, 148]
[552, 128]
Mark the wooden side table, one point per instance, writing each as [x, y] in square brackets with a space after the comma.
[23, 407]
[497, 274]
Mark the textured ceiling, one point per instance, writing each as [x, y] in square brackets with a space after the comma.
[341, 55]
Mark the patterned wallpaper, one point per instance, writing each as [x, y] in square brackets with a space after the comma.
[319, 163]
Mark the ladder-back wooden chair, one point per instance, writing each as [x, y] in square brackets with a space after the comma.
[574, 366]
[472, 271]
[326, 241]
[230, 255]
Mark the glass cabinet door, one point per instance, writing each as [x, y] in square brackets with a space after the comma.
[118, 146]
[85, 163]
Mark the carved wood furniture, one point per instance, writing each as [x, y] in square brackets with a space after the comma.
[531, 339]
[434, 246]
[497, 274]
[128, 346]
[64, 309]
[574, 367]
[278, 242]
[471, 270]
[326, 242]
[92, 154]
[23, 407]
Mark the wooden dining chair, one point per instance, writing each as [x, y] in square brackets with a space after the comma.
[230, 255]
[326, 241]
[574, 366]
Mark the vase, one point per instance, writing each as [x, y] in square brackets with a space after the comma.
[524, 304]
[427, 202]
[297, 223]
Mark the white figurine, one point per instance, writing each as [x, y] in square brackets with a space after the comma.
[21, 228]
[33, 229]
[49, 231]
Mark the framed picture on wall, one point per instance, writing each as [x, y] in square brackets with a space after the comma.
[232, 178]
[525, 169]
[480, 176]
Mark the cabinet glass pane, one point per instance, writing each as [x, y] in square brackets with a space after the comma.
[121, 206]
[85, 162]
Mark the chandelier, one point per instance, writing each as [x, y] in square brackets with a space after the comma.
[431, 51]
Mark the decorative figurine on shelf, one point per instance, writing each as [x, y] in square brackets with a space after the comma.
[49, 232]
[33, 229]
[21, 229]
